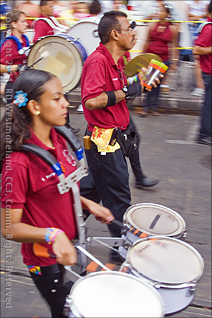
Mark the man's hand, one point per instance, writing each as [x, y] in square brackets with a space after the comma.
[141, 75]
[133, 90]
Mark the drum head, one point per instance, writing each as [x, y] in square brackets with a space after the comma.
[86, 31]
[166, 260]
[65, 59]
[114, 294]
[155, 219]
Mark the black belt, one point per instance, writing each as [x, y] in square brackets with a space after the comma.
[49, 270]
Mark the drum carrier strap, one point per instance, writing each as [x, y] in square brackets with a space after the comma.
[69, 182]
[14, 38]
[202, 26]
[53, 23]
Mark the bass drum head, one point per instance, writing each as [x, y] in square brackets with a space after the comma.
[155, 219]
[114, 294]
[65, 60]
[86, 31]
[166, 260]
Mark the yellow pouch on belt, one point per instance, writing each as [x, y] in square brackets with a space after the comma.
[101, 137]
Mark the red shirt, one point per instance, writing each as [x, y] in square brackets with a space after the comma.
[159, 42]
[100, 74]
[9, 56]
[28, 183]
[205, 40]
[42, 28]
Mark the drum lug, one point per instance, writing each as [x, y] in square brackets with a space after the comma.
[157, 286]
[67, 306]
[193, 287]
[184, 234]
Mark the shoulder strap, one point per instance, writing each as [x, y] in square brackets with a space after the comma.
[14, 38]
[44, 155]
[202, 26]
[47, 157]
[55, 26]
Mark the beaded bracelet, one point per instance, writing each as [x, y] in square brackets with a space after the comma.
[52, 234]
[132, 79]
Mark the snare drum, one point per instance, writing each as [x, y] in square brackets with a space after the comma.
[66, 58]
[147, 219]
[172, 266]
[113, 294]
[86, 31]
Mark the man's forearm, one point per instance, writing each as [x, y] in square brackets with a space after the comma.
[101, 100]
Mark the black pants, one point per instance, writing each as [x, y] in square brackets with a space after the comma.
[111, 180]
[54, 291]
[135, 158]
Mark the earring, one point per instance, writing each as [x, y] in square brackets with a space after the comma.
[38, 113]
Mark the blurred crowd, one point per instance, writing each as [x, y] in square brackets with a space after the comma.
[69, 12]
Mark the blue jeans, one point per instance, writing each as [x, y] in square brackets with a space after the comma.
[205, 128]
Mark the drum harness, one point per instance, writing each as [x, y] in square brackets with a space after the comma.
[70, 182]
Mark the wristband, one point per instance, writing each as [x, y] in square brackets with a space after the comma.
[52, 234]
[111, 98]
[8, 68]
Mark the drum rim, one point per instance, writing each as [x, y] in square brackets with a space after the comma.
[62, 36]
[177, 233]
[85, 21]
[105, 273]
[165, 284]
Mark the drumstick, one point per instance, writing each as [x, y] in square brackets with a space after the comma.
[42, 251]
[93, 258]
[44, 55]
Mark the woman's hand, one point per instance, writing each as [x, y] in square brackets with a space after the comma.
[64, 250]
[101, 213]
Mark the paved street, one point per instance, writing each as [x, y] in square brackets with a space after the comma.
[168, 152]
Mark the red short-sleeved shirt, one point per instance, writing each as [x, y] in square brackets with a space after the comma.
[28, 183]
[100, 74]
[42, 28]
[9, 56]
[159, 42]
[205, 40]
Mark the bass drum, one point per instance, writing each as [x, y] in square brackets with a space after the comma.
[65, 60]
[86, 31]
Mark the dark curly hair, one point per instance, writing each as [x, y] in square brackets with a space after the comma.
[17, 120]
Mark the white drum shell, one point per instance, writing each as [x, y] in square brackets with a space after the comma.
[86, 31]
[113, 294]
[177, 294]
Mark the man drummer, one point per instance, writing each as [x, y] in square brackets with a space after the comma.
[104, 92]
[46, 24]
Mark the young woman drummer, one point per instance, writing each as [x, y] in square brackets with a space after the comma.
[11, 54]
[33, 210]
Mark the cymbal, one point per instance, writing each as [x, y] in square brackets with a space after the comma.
[142, 60]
